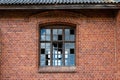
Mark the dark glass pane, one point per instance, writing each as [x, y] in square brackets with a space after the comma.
[60, 45]
[47, 51]
[42, 51]
[46, 62]
[59, 37]
[43, 31]
[71, 31]
[71, 51]
[59, 51]
[47, 57]
[54, 44]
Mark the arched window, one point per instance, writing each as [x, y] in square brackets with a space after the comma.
[57, 46]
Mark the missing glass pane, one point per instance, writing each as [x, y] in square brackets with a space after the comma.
[59, 37]
[46, 62]
[60, 45]
[71, 31]
[47, 57]
[42, 51]
[71, 51]
[55, 44]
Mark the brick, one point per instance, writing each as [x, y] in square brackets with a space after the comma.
[96, 47]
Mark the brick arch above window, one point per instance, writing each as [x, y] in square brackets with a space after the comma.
[57, 13]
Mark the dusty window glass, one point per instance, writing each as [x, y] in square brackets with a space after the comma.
[57, 46]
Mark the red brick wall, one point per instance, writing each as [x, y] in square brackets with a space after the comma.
[96, 51]
[118, 44]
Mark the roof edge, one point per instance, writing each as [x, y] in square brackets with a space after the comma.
[61, 6]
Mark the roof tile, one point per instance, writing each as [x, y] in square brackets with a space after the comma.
[56, 1]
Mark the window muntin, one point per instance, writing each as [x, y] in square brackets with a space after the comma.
[57, 46]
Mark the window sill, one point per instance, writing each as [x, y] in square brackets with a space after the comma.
[57, 69]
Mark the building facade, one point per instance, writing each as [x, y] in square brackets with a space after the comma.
[96, 41]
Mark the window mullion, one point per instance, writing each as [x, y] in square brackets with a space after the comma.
[51, 51]
[63, 48]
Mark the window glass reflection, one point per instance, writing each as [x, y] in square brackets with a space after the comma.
[43, 31]
[57, 47]
[48, 31]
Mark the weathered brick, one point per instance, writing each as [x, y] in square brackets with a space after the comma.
[97, 45]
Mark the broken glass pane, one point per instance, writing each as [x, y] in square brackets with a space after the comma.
[71, 31]
[71, 51]
[60, 45]
[59, 37]
[54, 44]
[42, 51]
[47, 57]
[46, 62]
